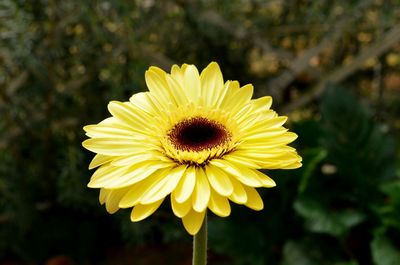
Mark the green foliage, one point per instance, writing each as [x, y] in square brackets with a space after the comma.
[295, 254]
[311, 159]
[318, 219]
[390, 211]
[386, 237]
[383, 250]
[342, 195]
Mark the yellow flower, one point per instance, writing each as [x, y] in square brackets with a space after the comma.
[193, 137]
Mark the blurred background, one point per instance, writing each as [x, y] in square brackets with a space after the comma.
[332, 66]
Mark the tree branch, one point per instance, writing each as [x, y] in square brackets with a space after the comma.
[380, 46]
[301, 63]
[240, 33]
[156, 58]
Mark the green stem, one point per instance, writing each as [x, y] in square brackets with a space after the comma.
[200, 245]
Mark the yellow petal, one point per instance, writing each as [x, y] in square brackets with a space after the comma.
[119, 177]
[241, 160]
[293, 165]
[102, 196]
[243, 174]
[262, 103]
[146, 103]
[259, 116]
[177, 91]
[219, 204]
[164, 187]
[140, 211]
[180, 209]
[116, 147]
[112, 121]
[239, 99]
[186, 186]
[239, 194]
[130, 115]
[201, 194]
[272, 136]
[266, 125]
[132, 197]
[191, 81]
[272, 158]
[141, 157]
[219, 181]
[138, 190]
[113, 199]
[193, 221]
[268, 153]
[158, 86]
[212, 83]
[228, 92]
[245, 113]
[99, 160]
[177, 73]
[254, 200]
[141, 100]
[265, 180]
[128, 178]
[104, 173]
[107, 131]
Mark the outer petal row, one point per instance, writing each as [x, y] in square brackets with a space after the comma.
[147, 195]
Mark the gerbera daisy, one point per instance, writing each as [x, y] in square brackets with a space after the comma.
[193, 138]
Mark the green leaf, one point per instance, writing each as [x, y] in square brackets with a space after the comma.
[392, 189]
[311, 159]
[320, 219]
[352, 262]
[294, 254]
[389, 211]
[383, 251]
[358, 146]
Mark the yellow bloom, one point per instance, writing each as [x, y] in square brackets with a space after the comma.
[193, 137]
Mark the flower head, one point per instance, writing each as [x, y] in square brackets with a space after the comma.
[193, 138]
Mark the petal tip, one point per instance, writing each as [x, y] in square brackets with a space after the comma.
[112, 210]
[271, 184]
[93, 185]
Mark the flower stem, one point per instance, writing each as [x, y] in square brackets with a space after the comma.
[200, 245]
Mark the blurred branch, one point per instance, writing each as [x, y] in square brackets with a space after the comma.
[377, 83]
[284, 30]
[390, 38]
[378, 86]
[16, 83]
[156, 58]
[6, 217]
[138, 48]
[301, 63]
[77, 83]
[240, 33]
[6, 57]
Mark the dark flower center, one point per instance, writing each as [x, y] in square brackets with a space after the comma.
[197, 134]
